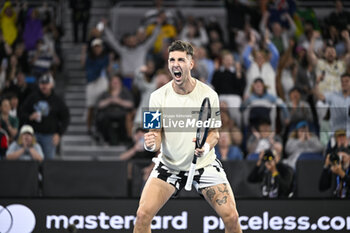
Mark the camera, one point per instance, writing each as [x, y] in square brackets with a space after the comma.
[334, 157]
[268, 155]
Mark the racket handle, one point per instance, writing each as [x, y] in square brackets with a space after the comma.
[190, 176]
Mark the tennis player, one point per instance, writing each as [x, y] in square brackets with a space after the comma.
[177, 148]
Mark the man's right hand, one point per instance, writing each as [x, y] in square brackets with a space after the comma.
[34, 117]
[150, 139]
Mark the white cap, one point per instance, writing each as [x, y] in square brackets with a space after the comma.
[96, 41]
[27, 129]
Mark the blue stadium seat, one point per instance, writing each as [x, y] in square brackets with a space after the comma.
[310, 156]
[254, 156]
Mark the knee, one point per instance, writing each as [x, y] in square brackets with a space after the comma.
[143, 217]
[231, 219]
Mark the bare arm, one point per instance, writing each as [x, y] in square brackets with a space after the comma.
[292, 26]
[212, 140]
[319, 95]
[263, 22]
[16, 154]
[35, 154]
[345, 35]
[310, 53]
[83, 55]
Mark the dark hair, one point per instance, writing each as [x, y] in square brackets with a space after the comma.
[346, 74]
[183, 46]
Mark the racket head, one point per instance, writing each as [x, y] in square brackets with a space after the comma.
[204, 115]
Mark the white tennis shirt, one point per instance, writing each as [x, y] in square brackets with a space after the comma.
[177, 148]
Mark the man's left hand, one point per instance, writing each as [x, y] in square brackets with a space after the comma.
[201, 151]
[56, 139]
[338, 170]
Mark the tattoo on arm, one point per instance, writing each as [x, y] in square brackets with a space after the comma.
[210, 193]
[222, 201]
[223, 190]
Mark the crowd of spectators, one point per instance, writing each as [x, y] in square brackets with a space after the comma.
[282, 76]
[33, 117]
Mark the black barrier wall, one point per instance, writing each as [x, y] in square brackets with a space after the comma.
[86, 179]
[194, 216]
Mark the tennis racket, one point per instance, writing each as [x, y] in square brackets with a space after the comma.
[201, 137]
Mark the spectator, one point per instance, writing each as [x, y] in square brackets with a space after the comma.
[12, 69]
[146, 88]
[42, 59]
[80, 16]
[14, 105]
[306, 76]
[19, 87]
[338, 102]
[286, 73]
[194, 33]
[280, 35]
[229, 125]
[242, 37]
[264, 138]
[340, 18]
[4, 141]
[225, 150]
[199, 70]
[309, 35]
[33, 30]
[238, 14]
[8, 18]
[215, 49]
[167, 32]
[22, 57]
[299, 109]
[8, 123]
[113, 107]
[132, 54]
[214, 30]
[275, 177]
[278, 9]
[260, 104]
[5, 48]
[338, 163]
[300, 141]
[229, 83]
[261, 66]
[202, 58]
[96, 66]
[26, 148]
[137, 150]
[48, 114]
[332, 36]
[329, 69]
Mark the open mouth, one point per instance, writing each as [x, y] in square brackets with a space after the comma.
[177, 74]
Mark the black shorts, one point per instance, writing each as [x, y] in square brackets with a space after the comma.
[211, 175]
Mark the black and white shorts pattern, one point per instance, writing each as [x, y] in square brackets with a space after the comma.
[210, 175]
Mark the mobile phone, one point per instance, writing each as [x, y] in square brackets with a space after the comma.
[100, 26]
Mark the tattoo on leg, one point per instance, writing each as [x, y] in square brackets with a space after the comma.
[210, 193]
[224, 190]
[222, 201]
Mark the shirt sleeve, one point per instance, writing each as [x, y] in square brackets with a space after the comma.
[215, 111]
[37, 147]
